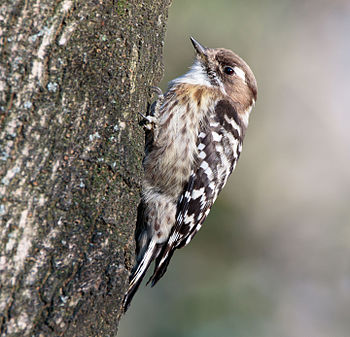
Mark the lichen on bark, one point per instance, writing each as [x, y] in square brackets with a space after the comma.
[74, 75]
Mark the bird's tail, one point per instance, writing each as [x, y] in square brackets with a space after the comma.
[139, 272]
[161, 265]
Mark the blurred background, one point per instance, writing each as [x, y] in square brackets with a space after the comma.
[273, 257]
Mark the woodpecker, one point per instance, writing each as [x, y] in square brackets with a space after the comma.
[194, 136]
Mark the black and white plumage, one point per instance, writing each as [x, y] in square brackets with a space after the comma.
[194, 139]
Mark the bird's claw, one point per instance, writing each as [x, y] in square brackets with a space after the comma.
[142, 115]
[148, 122]
[157, 91]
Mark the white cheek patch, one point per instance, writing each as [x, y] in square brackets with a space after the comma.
[196, 76]
[245, 115]
[240, 73]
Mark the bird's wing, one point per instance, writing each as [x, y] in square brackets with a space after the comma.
[218, 152]
[193, 207]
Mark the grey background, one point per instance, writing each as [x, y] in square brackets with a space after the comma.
[273, 256]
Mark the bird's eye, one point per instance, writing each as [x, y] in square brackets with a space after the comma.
[229, 70]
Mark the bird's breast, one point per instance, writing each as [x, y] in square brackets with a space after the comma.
[171, 160]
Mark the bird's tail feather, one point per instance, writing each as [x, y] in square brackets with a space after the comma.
[161, 265]
[139, 272]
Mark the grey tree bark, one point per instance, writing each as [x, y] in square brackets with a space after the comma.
[74, 75]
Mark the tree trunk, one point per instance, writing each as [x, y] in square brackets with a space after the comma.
[74, 75]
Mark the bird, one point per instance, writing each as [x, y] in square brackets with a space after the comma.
[194, 137]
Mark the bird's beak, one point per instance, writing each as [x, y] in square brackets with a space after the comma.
[201, 51]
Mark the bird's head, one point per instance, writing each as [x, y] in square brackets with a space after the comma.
[224, 69]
